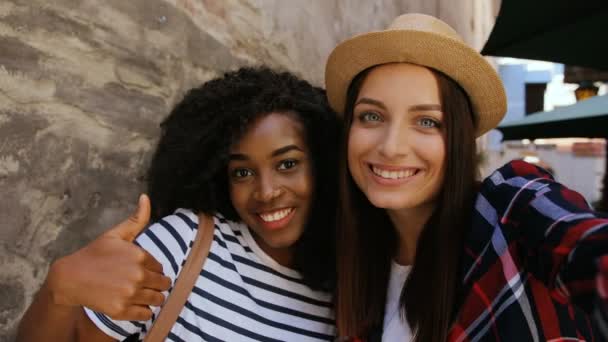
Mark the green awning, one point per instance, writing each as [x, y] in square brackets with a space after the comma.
[562, 31]
[586, 119]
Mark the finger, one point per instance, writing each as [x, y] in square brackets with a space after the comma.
[151, 264]
[132, 226]
[156, 281]
[135, 313]
[149, 297]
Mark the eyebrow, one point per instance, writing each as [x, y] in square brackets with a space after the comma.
[418, 107]
[286, 149]
[367, 100]
[423, 107]
[277, 152]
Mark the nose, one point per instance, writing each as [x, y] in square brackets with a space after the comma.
[267, 189]
[393, 143]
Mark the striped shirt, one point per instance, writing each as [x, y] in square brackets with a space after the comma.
[241, 293]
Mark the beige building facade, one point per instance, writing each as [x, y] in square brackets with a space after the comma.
[85, 83]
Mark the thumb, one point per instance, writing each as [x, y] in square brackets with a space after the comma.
[132, 226]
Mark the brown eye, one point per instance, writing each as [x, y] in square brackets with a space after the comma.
[241, 173]
[288, 164]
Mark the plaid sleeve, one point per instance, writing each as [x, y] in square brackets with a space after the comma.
[600, 314]
[560, 237]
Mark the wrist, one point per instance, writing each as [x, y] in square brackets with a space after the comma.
[54, 289]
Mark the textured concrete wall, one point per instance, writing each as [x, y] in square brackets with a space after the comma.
[84, 84]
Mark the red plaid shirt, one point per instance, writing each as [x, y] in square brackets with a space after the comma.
[530, 262]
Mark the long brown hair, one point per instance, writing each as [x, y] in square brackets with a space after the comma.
[367, 240]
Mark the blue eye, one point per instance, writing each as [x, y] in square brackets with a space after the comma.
[241, 173]
[428, 123]
[288, 164]
[369, 117]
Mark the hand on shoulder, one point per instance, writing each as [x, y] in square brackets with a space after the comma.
[111, 275]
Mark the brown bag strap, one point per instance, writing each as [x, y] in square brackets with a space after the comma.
[185, 281]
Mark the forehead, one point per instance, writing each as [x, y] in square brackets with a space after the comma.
[401, 81]
[271, 131]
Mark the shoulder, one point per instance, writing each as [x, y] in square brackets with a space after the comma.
[518, 174]
[518, 186]
[520, 178]
[516, 179]
[227, 230]
[174, 231]
[182, 226]
[169, 239]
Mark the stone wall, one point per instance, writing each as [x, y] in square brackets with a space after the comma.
[84, 85]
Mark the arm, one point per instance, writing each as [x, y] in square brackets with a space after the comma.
[560, 236]
[46, 320]
[601, 313]
[110, 275]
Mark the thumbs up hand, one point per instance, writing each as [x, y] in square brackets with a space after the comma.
[112, 275]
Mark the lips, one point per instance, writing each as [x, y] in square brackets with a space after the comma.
[276, 219]
[276, 215]
[391, 175]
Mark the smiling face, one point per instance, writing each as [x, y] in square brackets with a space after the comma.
[271, 183]
[396, 147]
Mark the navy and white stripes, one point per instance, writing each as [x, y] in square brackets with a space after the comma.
[240, 295]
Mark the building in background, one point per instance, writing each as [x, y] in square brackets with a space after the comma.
[534, 87]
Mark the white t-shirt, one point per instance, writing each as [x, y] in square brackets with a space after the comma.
[395, 328]
[241, 293]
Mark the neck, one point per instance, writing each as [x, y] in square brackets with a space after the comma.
[409, 224]
[284, 256]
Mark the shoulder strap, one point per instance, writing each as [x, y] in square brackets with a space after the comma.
[185, 281]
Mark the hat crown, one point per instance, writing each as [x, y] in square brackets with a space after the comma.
[426, 41]
[425, 23]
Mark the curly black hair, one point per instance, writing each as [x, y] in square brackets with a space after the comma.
[189, 166]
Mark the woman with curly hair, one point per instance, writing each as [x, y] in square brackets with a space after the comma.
[255, 149]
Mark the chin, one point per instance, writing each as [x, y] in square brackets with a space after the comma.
[386, 202]
[281, 243]
[285, 241]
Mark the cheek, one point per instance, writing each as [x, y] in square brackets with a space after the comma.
[437, 147]
[353, 146]
[238, 197]
[358, 143]
[303, 184]
[431, 148]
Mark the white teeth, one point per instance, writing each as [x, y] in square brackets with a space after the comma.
[393, 174]
[277, 215]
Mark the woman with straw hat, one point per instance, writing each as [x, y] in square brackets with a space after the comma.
[424, 250]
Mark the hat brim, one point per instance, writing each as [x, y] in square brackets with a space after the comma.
[450, 56]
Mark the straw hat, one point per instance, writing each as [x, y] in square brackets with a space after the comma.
[423, 40]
